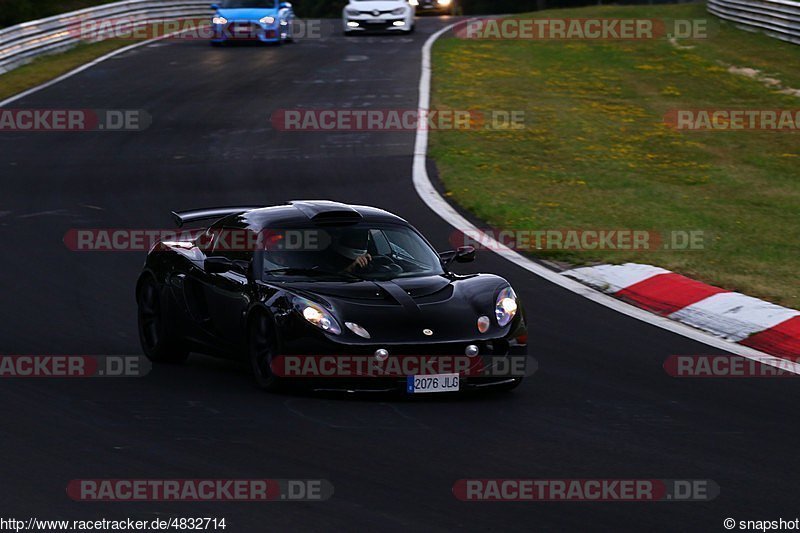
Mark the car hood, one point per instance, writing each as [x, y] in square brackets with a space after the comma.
[248, 13]
[399, 311]
[375, 4]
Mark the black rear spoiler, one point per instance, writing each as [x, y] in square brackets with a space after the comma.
[209, 213]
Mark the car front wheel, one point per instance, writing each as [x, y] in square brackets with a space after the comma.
[261, 350]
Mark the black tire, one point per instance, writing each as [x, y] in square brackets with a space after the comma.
[261, 350]
[157, 338]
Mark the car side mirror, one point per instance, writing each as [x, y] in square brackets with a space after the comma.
[464, 254]
[285, 5]
[215, 7]
[220, 265]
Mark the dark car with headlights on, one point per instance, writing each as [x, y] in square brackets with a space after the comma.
[321, 278]
[437, 7]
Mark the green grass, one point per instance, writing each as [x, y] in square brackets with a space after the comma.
[45, 68]
[596, 153]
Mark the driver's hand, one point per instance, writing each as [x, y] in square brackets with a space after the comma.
[360, 262]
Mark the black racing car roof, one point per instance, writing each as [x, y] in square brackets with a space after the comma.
[298, 212]
[322, 212]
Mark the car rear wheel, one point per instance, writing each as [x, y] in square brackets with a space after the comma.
[155, 334]
[261, 350]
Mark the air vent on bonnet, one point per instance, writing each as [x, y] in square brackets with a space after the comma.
[327, 212]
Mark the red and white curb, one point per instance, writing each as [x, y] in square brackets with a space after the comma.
[733, 316]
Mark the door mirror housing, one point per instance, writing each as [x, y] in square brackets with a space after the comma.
[464, 254]
[219, 265]
[215, 7]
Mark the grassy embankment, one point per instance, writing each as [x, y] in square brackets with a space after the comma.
[596, 152]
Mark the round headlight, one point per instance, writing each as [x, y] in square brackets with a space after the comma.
[505, 307]
[316, 315]
[267, 20]
[219, 19]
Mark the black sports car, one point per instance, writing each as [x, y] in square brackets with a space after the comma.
[328, 280]
[439, 7]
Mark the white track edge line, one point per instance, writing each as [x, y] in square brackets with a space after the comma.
[428, 193]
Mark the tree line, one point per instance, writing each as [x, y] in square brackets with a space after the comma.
[16, 11]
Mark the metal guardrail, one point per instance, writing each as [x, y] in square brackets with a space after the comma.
[776, 18]
[21, 43]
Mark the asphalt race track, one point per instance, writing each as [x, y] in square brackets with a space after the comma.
[600, 405]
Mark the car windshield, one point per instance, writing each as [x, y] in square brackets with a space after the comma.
[236, 4]
[364, 251]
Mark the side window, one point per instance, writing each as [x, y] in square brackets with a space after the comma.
[381, 244]
[236, 244]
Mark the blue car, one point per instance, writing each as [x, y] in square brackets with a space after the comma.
[266, 21]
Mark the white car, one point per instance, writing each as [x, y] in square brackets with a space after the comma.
[378, 15]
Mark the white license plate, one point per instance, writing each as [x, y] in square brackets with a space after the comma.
[375, 21]
[432, 383]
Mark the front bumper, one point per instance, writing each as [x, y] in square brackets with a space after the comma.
[246, 31]
[366, 24]
[495, 355]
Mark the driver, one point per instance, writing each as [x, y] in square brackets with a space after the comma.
[350, 249]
